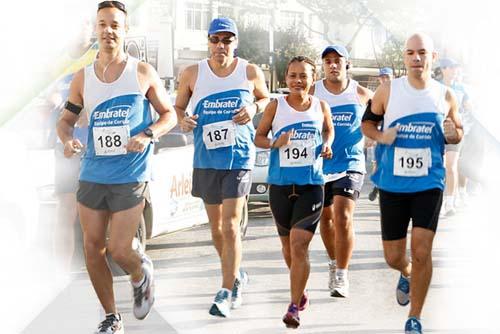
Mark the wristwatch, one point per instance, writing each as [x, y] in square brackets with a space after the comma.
[148, 132]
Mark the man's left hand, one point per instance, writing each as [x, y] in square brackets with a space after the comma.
[245, 114]
[450, 131]
[138, 143]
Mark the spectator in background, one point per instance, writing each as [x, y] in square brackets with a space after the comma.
[385, 74]
[68, 243]
[449, 72]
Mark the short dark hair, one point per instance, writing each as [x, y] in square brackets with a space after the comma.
[300, 59]
[112, 4]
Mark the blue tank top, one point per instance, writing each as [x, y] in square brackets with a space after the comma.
[298, 163]
[117, 111]
[347, 111]
[219, 143]
[414, 162]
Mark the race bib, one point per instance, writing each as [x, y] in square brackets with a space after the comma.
[413, 162]
[298, 154]
[111, 140]
[220, 134]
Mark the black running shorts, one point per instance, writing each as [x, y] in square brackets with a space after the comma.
[396, 210]
[296, 206]
[348, 186]
[112, 197]
[213, 185]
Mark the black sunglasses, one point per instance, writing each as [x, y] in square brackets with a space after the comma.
[112, 4]
[225, 40]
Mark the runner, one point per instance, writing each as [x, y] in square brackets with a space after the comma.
[419, 115]
[344, 173]
[222, 90]
[115, 93]
[302, 132]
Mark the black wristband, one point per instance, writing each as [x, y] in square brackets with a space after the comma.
[74, 108]
[369, 115]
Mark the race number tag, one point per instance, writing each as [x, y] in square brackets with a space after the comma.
[298, 154]
[412, 162]
[220, 134]
[111, 140]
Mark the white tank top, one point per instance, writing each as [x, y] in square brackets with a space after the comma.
[95, 91]
[219, 143]
[298, 163]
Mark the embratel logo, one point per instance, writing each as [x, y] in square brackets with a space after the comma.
[342, 118]
[302, 135]
[416, 130]
[113, 112]
[221, 106]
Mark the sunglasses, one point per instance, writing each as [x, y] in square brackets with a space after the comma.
[225, 40]
[112, 4]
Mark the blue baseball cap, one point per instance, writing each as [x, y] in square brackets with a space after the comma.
[339, 49]
[223, 24]
[385, 71]
[448, 62]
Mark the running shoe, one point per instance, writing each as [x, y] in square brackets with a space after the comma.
[144, 294]
[236, 294]
[222, 304]
[413, 326]
[291, 317]
[111, 325]
[403, 291]
[341, 288]
[373, 194]
[304, 301]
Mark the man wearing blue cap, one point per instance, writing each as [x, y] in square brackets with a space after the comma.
[222, 90]
[345, 171]
[412, 118]
[385, 74]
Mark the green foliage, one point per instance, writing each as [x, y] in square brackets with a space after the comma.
[253, 45]
[392, 56]
[288, 44]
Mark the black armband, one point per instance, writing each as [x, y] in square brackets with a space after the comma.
[74, 108]
[369, 115]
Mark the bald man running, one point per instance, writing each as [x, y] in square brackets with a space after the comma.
[419, 115]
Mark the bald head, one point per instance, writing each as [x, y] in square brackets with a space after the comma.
[419, 55]
[420, 39]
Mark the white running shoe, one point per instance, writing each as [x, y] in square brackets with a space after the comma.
[144, 295]
[111, 325]
[222, 304]
[236, 294]
[341, 288]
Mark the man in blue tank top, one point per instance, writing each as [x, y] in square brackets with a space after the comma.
[343, 173]
[221, 90]
[115, 91]
[419, 115]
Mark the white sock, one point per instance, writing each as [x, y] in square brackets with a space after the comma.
[141, 282]
[333, 263]
[341, 273]
[462, 190]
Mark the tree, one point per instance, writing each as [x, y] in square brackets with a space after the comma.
[288, 44]
[392, 56]
[253, 45]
